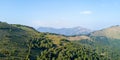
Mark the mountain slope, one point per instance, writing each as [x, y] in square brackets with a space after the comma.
[19, 42]
[14, 39]
[112, 32]
[65, 31]
[106, 42]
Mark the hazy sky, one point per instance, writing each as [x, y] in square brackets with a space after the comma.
[93, 14]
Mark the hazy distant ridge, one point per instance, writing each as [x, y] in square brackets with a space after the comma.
[65, 31]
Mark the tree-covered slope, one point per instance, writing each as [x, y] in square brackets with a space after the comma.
[105, 41]
[19, 42]
[14, 40]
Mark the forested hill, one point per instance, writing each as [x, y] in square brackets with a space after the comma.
[19, 42]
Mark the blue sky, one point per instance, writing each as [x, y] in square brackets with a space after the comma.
[92, 14]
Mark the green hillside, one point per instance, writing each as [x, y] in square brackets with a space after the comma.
[19, 42]
[111, 32]
[109, 40]
[105, 41]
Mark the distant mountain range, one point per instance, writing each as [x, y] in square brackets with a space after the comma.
[66, 31]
